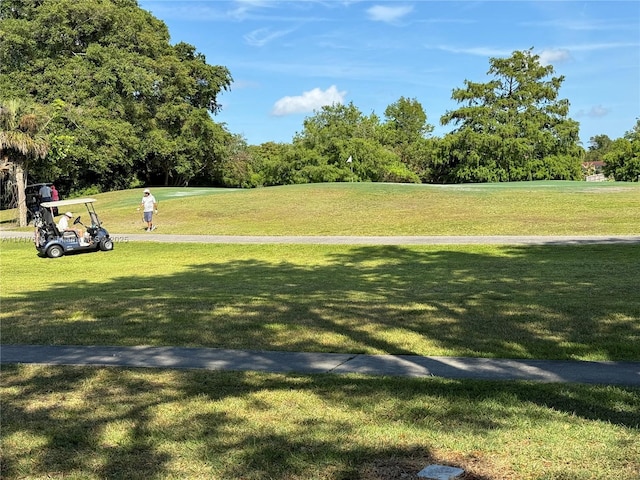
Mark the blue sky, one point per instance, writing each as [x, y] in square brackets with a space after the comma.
[289, 58]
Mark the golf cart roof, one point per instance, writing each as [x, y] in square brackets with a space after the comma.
[64, 203]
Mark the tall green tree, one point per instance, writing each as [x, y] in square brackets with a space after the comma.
[338, 133]
[623, 158]
[272, 165]
[134, 99]
[325, 143]
[405, 122]
[22, 140]
[599, 143]
[513, 127]
[599, 146]
[405, 131]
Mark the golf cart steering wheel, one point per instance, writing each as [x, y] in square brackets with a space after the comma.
[77, 220]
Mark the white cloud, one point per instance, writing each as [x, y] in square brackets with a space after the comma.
[243, 8]
[581, 24]
[478, 51]
[252, 3]
[383, 13]
[308, 101]
[589, 47]
[547, 57]
[262, 36]
[596, 111]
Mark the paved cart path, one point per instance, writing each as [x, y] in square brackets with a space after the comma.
[361, 240]
[610, 373]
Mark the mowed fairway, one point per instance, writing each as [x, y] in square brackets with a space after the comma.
[535, 208]
[577, 302]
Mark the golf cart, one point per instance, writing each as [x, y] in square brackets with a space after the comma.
[53, 243]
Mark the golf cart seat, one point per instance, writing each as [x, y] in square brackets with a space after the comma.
[49, 222]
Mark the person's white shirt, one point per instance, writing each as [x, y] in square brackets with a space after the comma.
[63, 223]
[148, 201]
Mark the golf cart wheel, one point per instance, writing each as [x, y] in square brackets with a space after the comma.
[106, 244]
[55, 251]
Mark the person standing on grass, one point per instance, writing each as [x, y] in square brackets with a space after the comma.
[148, 205]
[55, 196]
[45, 193]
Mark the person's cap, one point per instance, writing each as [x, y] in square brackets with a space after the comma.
[69, 214]
[146, 190]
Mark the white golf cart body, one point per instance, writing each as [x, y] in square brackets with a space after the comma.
[53, 243]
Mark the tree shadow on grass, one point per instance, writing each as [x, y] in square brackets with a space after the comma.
[147, 423]
[517, 302]
[551, 302]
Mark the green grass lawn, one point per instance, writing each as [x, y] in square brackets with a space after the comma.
[553, 302]
[102, 423]
[557, 302]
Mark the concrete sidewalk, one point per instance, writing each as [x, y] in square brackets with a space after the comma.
[359, 240]
[606, 373]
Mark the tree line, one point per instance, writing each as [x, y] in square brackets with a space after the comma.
[95, 96]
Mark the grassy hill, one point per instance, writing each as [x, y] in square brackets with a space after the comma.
[524, 208]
